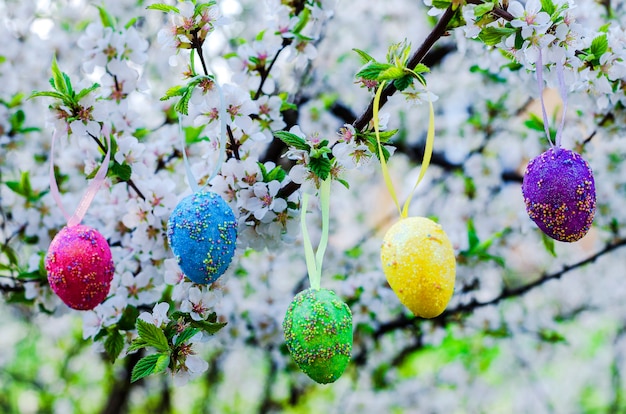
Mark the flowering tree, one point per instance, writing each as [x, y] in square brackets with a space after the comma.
[277, 109]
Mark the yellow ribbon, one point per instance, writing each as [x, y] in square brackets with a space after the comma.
[428, 151]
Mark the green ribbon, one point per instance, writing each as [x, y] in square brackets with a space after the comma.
[314, 260]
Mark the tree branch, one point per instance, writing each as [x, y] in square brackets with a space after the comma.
[438, 31]
[453, 314]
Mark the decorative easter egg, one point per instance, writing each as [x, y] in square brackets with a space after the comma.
[418, 261]
[80, 268]
[202, 232]
[318, 333]
[560, 194]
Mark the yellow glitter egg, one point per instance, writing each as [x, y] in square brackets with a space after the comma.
[418, 261]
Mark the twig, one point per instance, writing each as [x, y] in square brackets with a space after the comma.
[130, 181]
[438, 31]
[452, 314]
[266, 71]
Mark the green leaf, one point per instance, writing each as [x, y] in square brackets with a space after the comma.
[114, 344]
[354, 252]
[21, 187]
[277, 173]
[182, 106]
[47, 94]
[106, 19]
[146, 366]
[17, 120]
[161, 364]
[140, 133]
[201, 7]
[152, 335]
[391, 73]
[193, 134]
[441, 4]
[120, 172]
[494, 77]
[173, 91]
[472, 237]
[129, 318]
[304, 16]
[292, 140]
[470, 187]
[136, 344]
[286, 106]
[365, 58]
[320, 166]
[548, 6]
[344, 183]
[130, 23]
[534, 123]
[16, 100]
[373, 70]
[186, 335]
[421, 68]
[208, 327]
[551, 336]
[491, 36]
[86, 91]
[599, 45]
[57, 80]
[386, 135]
[482, 9]
[403, 82]
[164, 8]
[373, 147]
[68, 86]
[10, 254]
[548, 243]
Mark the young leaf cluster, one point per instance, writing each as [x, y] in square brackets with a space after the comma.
[394, 70]
[319, 161]
[479, 250]
[185, 92]
[170, 342]
[64, 92]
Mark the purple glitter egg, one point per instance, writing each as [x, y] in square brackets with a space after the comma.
[560, 194]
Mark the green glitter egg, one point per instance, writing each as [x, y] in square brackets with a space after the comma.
[318, 333]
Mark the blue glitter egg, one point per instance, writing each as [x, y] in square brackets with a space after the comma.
[202, 232]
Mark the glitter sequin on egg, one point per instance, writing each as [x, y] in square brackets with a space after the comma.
[202, 232]
[80, 267]
[560, 194]
[418, 261]
[318, 334]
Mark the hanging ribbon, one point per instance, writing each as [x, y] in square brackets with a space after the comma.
[314, 260]
[562, 91]
[428, 150]
[193, 183]
[92, 188]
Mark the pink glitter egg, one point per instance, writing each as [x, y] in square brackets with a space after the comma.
[80, 268]
[560, 194]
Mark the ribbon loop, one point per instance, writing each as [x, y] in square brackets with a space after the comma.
[193, 182]
[562, 92]
[92, 188]
[314, 260]
[428, 150]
